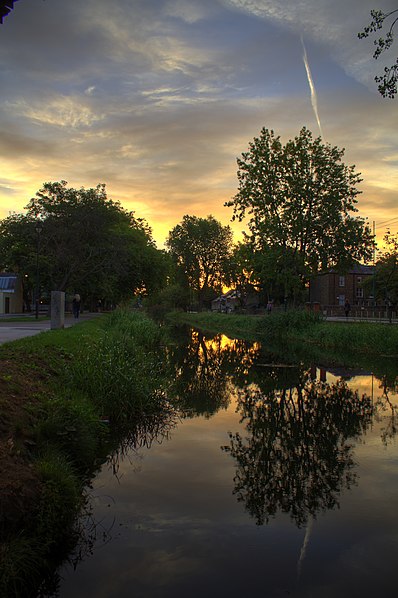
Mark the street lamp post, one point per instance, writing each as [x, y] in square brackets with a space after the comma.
[38, 228]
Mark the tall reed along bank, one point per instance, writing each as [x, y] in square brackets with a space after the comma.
[66, 399]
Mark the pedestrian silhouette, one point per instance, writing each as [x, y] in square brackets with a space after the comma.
[76, 306]
[347, 308]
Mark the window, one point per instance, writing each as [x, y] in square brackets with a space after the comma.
[359, 293]
[359, 279]
[341, 299]
[341, 281]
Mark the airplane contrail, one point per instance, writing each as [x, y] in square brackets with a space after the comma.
[314, 99]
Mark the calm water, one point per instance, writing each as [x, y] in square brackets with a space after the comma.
[271, 481]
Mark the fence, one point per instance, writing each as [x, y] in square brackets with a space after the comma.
[361, 313]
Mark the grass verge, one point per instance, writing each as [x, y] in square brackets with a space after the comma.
[56, 390]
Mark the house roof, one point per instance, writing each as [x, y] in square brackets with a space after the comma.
[231, 294]
[361, 269]
[7, 281]
[356, 269]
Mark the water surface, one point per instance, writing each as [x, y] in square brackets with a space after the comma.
[273, 479]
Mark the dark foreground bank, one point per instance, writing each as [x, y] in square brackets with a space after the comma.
[63, 395]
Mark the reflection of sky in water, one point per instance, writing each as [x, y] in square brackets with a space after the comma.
[174, 528]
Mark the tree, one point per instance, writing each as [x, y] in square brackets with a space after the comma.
[386, 276]
[277, 268]
[299, 199]
[239, 271]
[18, 251]
[200, 247]
[5, 7]
[88, 243]
[387, 83]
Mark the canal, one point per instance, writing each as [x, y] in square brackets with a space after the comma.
[267, 478]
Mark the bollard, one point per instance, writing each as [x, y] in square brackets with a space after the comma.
[57, 310]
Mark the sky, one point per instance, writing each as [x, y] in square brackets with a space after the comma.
[158, 98]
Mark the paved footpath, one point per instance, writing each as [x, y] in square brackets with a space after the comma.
[12, 331]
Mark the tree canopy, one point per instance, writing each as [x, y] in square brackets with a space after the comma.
[5, 8]
[200, 248]
[299, 199]
[387, 82]
[88, 243]
[386, 276]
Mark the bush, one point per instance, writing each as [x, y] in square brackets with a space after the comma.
[282, 324]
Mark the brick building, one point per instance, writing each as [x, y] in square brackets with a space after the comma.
[332, 288]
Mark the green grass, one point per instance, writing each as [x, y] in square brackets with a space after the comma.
[72, 378]
[120, 372]
[24, 319]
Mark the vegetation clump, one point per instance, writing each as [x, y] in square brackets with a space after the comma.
[62, 393]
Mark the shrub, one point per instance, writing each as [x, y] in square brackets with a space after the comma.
[282, 324]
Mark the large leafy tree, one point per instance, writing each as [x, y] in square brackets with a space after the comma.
[299, 199]
[386, 275]
[88, 243]
[278, 269]
[387, 82]
[200, 248]
[240, 272]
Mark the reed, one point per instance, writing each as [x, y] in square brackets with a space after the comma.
[120, 373]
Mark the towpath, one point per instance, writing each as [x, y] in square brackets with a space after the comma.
[14, 328]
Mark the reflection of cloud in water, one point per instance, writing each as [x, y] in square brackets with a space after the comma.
[180, 527]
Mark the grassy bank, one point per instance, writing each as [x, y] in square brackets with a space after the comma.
[61, 394]
[303, 328]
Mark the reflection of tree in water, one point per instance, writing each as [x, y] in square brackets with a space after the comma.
[385, 405]
[91, 532]
[203, 368]
[296, 457]
[142, 434]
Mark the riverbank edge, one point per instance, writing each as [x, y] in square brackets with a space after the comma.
[346, 341]
[53, 437]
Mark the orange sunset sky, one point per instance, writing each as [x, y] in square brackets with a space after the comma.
[157, 99]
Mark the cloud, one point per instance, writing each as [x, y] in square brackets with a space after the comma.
[190, 12]
[90, 90]
[332, 24]
[60, 111]
[158, 98]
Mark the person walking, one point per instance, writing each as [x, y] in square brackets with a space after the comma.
[76, 306]
[347, 308]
